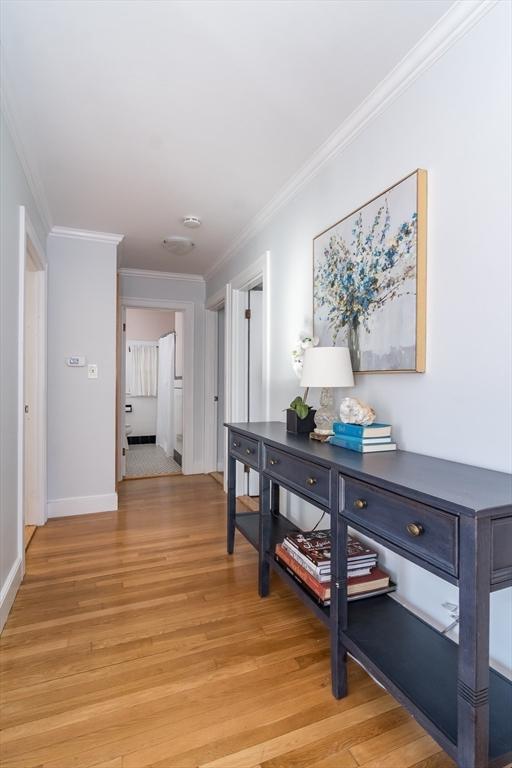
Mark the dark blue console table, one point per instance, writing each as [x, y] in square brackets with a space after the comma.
[451, 519]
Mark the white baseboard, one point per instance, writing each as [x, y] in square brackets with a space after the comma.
[9, 590]
[82, 505]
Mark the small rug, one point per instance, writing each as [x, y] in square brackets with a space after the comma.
[146, 460]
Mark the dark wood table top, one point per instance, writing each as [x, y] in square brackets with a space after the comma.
[459, 488]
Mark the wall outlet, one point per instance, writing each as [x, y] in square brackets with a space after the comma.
[92, 371]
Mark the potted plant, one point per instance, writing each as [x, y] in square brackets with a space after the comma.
[300, 415]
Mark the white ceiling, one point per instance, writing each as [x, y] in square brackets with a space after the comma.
[134, 114]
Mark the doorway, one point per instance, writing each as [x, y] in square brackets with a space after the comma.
[32, 384]
[153, 393]
[254, 372]
[221, 429]
[247, 356]
[184, 315]
[236, 365]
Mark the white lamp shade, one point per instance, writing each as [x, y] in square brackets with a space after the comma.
[327, 367]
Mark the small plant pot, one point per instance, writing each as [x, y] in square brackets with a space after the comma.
[299, 426]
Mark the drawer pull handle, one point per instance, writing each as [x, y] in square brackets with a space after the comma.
[249, 451]
[360, 503]
[274, 462]
[236, 444]
[311, 481]
[414, 529]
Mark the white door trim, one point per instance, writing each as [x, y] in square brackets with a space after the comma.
[29, 242]
[213, 304]
[187, 307]
[235, 390]
[210, 391]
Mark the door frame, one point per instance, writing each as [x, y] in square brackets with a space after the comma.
[187, 307]
[29, 244]
[235, 391]
[213, 305]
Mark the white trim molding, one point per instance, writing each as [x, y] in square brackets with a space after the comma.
[217, 299]
[454, 24]
[9, 589]
[82, 505]
[149, 273]
[85, 234]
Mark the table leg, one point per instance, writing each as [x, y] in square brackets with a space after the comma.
[231, 503]
[265, 536]
[473, 672]
[338, 594]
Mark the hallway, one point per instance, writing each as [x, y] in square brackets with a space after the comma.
[136, 641]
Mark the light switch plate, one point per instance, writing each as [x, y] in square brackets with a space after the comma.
[92, 371]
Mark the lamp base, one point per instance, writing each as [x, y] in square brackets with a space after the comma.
[325, 415]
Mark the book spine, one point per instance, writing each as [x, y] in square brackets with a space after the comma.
[339, 428]
[350, 445]
[306, 564]
[320, 590]
[306, 587]
[304, 560]
[364, 440]
[372, 431]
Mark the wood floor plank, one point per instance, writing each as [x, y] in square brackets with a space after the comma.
[407, 755]
[386, 742]
[135, 641]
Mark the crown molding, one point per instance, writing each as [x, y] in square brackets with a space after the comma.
[450, 28]
[9, 111]
[85, 234]
[149, 273]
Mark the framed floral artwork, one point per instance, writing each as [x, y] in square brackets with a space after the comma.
[369, 280]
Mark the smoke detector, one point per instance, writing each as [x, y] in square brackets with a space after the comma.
[192, 222]
[178, 245]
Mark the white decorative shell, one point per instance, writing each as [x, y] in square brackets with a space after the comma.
[354, 411]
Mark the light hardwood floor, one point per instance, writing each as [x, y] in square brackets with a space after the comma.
[136, 641]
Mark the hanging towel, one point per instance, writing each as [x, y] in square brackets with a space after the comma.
[142, 369]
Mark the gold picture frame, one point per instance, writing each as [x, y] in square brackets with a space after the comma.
[369, 280]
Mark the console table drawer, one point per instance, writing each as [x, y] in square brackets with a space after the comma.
[244, 448]
[311, 479]
[421, 530]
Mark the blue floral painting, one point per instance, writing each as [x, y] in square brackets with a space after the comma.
[369, 280]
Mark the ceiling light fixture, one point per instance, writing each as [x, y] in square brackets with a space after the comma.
[178, 245]
[192, 222]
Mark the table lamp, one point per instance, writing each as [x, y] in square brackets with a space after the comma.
[326, 367]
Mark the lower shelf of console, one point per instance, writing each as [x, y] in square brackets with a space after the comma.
[421, 664]
[412, 659]
[248, 523]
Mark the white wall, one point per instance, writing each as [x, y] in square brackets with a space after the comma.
[142, 419]
[455, 122]
[81, 411]
[148, 324]
[155, 287]
[14, 192]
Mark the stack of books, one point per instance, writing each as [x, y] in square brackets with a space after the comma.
[307, 557]
[356, 437]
